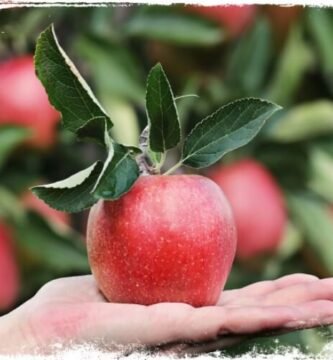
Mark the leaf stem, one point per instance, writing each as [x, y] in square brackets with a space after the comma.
[174, 168]
[161, 163]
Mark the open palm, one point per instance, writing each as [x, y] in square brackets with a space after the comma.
[72, 310]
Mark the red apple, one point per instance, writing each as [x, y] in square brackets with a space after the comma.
[257, 204]
[169, 239]
[235, 19]
[23, 101]
[30, 201]
[9, 273]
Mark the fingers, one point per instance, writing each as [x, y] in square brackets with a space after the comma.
[122, 324]
[300, 293]
[240, 296]
[152, 325]
[313, 314]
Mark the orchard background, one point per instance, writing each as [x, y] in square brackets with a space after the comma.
[284, 55]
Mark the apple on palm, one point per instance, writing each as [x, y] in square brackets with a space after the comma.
[151, 237]
[170, 238]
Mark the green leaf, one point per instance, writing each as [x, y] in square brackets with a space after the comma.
[164, 128]
[10, 137]
[57, 251]
[321, 172]
[118, 175]
[67, 90]
[320, 22]
[73, 194]
[296, 59]
[174, 26]
[302, 122]
[10, 206]
[314, 219]
[256, 48]
[229, 128]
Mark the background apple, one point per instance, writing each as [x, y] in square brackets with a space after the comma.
[257, 204]
[23, 101]
[235, 19]
[9, 272]
[170, 238]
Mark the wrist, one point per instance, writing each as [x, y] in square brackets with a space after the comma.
[14, 338]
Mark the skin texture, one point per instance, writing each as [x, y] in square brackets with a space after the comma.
[170, 238]
[257, 204]
[72, 311]
[235, 19]
[23, 101]
[9, 273]
[30, 201]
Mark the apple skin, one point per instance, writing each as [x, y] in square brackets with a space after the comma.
[257, 203]
[235, 19]
[169, 239]
[9, 272]
[24, 102]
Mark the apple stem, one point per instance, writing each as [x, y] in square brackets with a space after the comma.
[144, 167]
[158, 166]
[173, 168]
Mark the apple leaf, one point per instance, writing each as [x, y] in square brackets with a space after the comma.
[164, 128]
[67, 90]
[229, 128]
[107, 181]
[119, 173]
[73, 194]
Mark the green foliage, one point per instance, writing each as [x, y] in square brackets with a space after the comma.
[227, 129]
[119, 173]
[67, 90]
[74, 193]
[10, 138]
[314, 219]
[320, 22]
[303, 121]
[295, 60]
[83, 115]
[69, 249]
[256, 48]
[164, 128]
[177, 27]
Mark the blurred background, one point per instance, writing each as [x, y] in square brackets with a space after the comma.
[280, 186]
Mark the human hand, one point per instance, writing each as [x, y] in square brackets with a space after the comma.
[73, 311]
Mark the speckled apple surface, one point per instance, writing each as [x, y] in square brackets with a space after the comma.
[169, 239]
